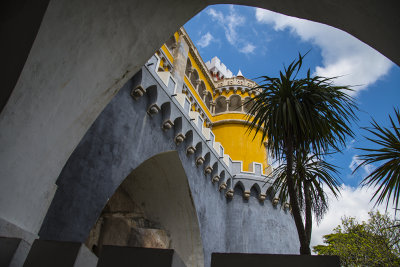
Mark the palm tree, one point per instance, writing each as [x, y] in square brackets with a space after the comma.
[387, 175]
[307, 114]
[310, 174]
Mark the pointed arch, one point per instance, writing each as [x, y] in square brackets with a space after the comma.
[194, 77]
[188, 68]
[248, 103]
[171, 43]
[201, 89]
[235, 103]
[220, 104]
[208, 100]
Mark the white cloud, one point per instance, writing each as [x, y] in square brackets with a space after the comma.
[355, 161]
[350, 144]
[247, 49]
[230, 23]
[205, 40]
[353, 202]
[343, 55]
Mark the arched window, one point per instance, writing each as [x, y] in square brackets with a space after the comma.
[194, 78]
[171, 43]
[188, 67]
[208, 100]
[239, 188]
[255, 190]
[248, 103]
[235, 103]
[201, 89]
[220, 104]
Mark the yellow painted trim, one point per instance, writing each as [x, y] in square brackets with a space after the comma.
[230, 116]
[238, 92]
[167, 53]
[176, 34]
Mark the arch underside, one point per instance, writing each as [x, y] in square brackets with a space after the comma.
[152, 208]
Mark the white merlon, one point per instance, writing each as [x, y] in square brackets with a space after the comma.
[216, 66]
[239, 73]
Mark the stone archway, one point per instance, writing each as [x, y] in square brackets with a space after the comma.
[152, 208]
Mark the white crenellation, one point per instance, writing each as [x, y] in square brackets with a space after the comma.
[219, 69]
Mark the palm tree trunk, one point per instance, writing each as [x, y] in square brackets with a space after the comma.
[304, 247]
[308, 219]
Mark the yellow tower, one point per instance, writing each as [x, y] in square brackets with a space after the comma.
[232, 101]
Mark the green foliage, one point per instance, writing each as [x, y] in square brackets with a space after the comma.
[297, 117]
[314, 171]
[372, 243]
[387, 175]
[308, 112]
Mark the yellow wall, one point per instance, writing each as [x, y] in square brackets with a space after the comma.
[167, 53]
[229, 116]
[239, 144]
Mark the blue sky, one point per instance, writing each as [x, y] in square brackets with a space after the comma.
[259, 42]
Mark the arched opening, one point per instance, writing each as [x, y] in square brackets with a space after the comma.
[208, 100]
[248, 103]
[220, 104]
[194, 78]
[188, 68]
[255, 190]
[202, 90]
[235, 103]
[239, 189]
[171, 44]
[152, 208]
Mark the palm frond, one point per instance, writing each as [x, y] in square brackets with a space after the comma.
[320, 173]
[385, 177]
[311, 109]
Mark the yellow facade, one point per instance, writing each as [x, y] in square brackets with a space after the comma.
[239, 143]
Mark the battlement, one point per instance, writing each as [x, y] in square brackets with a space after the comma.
[209, 154]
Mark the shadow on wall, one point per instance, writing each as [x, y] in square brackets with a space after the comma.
[152, 208]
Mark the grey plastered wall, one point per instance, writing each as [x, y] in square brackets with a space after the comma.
[122, 138]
